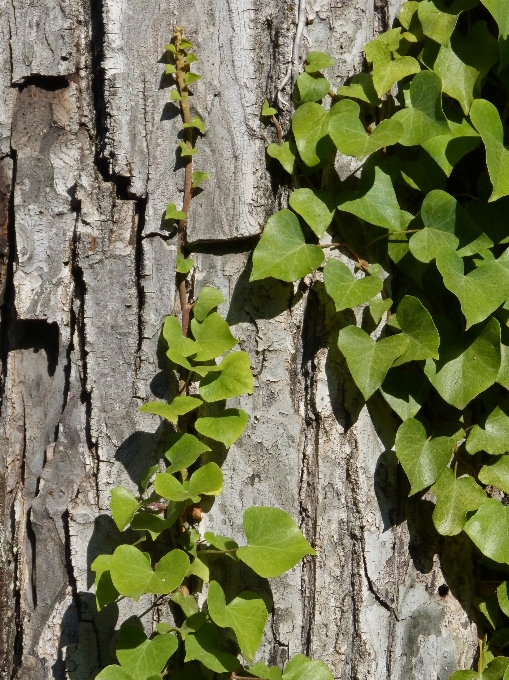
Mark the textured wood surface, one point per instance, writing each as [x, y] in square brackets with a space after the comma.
[87, 165]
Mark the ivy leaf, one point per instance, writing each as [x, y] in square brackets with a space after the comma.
[169, 487]
[282, 251]
[346, 290]
[438, 20]
[424, 118]
[191, 58]
[312, 88]
[455, 497]
[222, 543]
[206, 481]
[492, 217]
[417, 326]
[184, 266]
[113, 673]
[197, 178]
[185, 449]
[213, 337]
[132, 574]
[225, 427]
[409, 19]
[203, 646]
[374, 201]
[191, 78]
[142, 657]
[195, 123]
[468, 363]
[378, 307]
[302, 668]
[172, 333]
[503, 597]
[178, 407]
[369, 361]
[348, 134]
[284, 154]
[233, 379]
[317, 208]
[146, 521]
[498, 9]
[481, 291]
[123, 505]
[446, 224]
[186, 602]
[486, 120]
[246, 615]
[493, 671]
[267, 109]
[489, 530]
[386, 71]
[275, 542]
[448, 150]
[185, 151]
[173, 214]
[405, 390]
[496, 473]
[488, 606]
[105, 591]
[493, 437]
[175, 96]
[361, 87]
[208, 299]
[422, 458]
[317, 61]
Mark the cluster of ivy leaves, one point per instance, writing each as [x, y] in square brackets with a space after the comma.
[200, 643]
[428, 199]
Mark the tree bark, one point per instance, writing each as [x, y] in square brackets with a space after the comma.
[88, 162]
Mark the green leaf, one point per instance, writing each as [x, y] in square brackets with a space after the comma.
[493, 671]
[448, 150]
[488, 606]
[222, 543]
[423, 458]
[186, 602]
[492, 217]
[310, 126]
[378, 307]
[275, 542]
[105, 591]
[200, 569]
[233, 379]
[464, 63]
[146, 521]
[493, 437]
[191, 78]
[498, 9]
[178, 407]
[282, 251]
[184, 266]
[302, 668]
[132, 575]
[317, 208]
[317, 61]
[207, 481]
[361, 87]
[259, 669]
[190, 58]
[172, 333]
[405, 390]
[185, 449]
[208, 299]
[447, 224]
[455, 498]
[246, 615]
[173, 214]
[284, 154]
[185, 44]
[348, 134]
[198, 177]
[113, 673]
[369, 361]
[195, 123]
[489, 530]
[267, 110]
[468, 363]
[185, 151]
[496, 473]
[175, 96]
[346, 290]
[424, 118]
[123, 505]
[169, 487]
[386, 71]
[142, 657]
[213, 337]
[409, 19]
[438, 20]
[203, 646]
[417, 326]
[481, 291]
[374, 201]
[486, 120]
[312, 88]
[225, 427]
[170, 69]
[503, 597]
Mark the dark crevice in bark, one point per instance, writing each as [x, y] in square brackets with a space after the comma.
[47, 83]
[381, 16]
[141, 206]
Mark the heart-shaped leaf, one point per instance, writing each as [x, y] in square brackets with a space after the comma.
[369, 361]
[378, 307]
[448, 150]
[197, 178]
[496, 473]
[489, 530]
[438, 19]
[317, 208]
[312, 87]
[284, 154]
[424, 118]
[233, 378]
[405, 390]
[317, 61]
[208, 299]
[267, 109]
[455, 497]
[197, 122]
[386, 70]
[213, 337]
[360, 87]
[468, 361]
[185, 449]
[132, 575]
[123, 505]
[493, 437]
[146, 521]
[178, 407]
[207, 481]
[275, 542]
[495, 670]
[422, 458]
[486, 120]
[417, 326]
[172, 333]
[169, 487]
[481, 291]
[374, 201]
[282, 251]
[173, 214]
[226, 427]
[105, 591]
[348, 134]
[498, 9]
[141, 657]
[203, 646]
[246, 615]
[345, 289]
[184, 266]
[113, 673]
[447, 224]
[302, 668]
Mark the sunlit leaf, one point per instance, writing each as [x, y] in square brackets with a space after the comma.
[345, 289]
[417, 326]
[374, 201]
[486, 120]
[226, 427]
[141, 657]
[455, 498]
[123, 505]
[317, 208]
[489, 530]
[386, 70]
[178, 407]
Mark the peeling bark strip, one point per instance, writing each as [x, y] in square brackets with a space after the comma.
[84, 111]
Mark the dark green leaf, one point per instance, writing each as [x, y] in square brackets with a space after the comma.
[489, 530]
[405, 390]
[455, 498]
[141, 657]
[375, 200]
[203, 646]
[284, 154]
[438, 19]
[486, 120]
[493, 437]
[417, 326]
[346, 290]
[496, 473]
[317, 208]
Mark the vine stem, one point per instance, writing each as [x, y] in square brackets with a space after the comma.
[217, 552]
[279, 130]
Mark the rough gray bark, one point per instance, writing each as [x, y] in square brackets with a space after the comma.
[87, 165]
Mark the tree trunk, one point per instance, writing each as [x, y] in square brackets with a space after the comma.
[88, 143]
